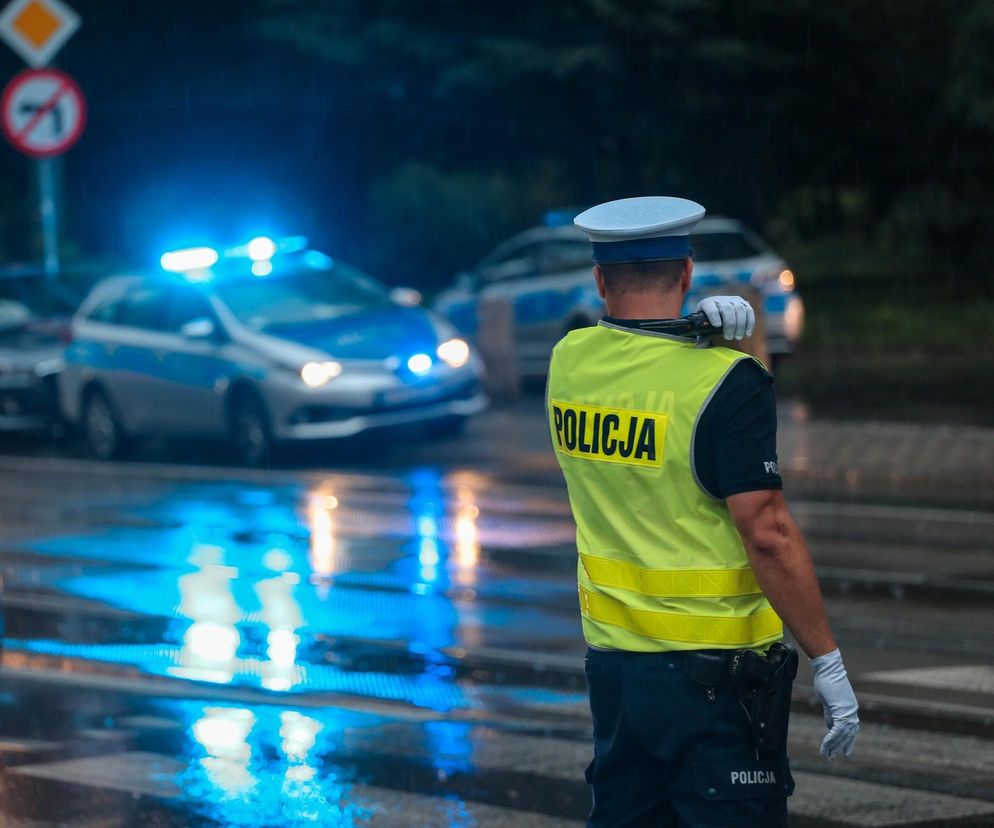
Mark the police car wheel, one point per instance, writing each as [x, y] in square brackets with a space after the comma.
[103, 438]
[250, 431]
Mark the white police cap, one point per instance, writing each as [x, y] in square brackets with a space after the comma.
[648, 228]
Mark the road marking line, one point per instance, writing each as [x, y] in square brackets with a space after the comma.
[977, 678]
[135, 772]
[18, 668]
[890, 512]
[160, 777]
[861, 804]
[401, 809]
[850, 801]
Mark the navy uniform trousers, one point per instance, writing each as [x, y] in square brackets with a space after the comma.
[670, 751]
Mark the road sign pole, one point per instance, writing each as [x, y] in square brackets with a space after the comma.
[48, 199]
[42, 110]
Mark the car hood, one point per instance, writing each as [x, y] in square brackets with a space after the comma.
[371, 335]
[23, 347]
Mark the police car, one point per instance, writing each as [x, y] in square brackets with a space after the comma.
[545, 274]
[34, 318]
[263, 343]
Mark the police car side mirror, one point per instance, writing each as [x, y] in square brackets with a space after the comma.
[406, 296]
[202, 328]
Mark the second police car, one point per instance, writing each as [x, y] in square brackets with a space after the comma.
[545, 273]
[262, 343]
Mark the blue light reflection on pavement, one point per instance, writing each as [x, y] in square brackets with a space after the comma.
[262, 765]
[250, 576]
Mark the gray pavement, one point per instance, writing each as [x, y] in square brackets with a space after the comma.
[903, 462]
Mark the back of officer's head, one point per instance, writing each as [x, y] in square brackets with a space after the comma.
[643, 277]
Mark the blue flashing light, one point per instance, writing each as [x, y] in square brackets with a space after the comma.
[261, 249]
[189, 259]
[262, 268]
[419, 364]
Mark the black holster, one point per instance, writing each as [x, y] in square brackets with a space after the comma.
[763, 685]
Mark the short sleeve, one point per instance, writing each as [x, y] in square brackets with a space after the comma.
[735, 442]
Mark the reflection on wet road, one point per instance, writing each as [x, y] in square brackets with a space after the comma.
[257, 587]
[329, 591]
[400, 647]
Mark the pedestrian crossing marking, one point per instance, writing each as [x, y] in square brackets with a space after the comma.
[977, 678]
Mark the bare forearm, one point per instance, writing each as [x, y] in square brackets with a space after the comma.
[787, 577]
[784, 570]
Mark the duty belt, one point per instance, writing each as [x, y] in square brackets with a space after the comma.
[762, 683]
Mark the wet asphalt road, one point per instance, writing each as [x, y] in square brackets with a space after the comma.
[389, 636]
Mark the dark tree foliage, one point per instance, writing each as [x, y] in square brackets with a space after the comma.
[410, 136]
[864, 116]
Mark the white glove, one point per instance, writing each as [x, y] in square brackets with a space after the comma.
[733, 313]
[835, 693]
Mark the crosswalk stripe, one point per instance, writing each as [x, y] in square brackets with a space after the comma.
[155, 775]
[831, 796]
[977, 678]
[852, 802]
[400, 809]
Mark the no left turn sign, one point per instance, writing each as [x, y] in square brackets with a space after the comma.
[43, 112]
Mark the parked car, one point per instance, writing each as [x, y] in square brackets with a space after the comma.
[545, 273]
[34, 325]
[260, 345]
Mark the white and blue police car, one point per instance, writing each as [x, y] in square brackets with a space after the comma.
[545, 275]
[263, 343]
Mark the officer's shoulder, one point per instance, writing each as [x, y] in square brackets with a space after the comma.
[744, 364]
[576, 337]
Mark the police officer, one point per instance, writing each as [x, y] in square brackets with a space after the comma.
[688, 555]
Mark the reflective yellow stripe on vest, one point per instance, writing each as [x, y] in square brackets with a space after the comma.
[703, 630]
[670, 582]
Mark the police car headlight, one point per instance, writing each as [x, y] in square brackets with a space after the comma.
[453, 352]
[419, 364]
[316, 374]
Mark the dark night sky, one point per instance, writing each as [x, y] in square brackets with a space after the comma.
[198, 130]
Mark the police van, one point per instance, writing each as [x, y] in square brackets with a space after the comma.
[545, 275]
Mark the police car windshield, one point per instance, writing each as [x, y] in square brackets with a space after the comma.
[301, 296]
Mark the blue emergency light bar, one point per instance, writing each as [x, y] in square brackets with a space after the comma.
[190, 258]
[259, 250]
[264, 248]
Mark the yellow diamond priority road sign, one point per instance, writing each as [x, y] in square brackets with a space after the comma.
[37, 29]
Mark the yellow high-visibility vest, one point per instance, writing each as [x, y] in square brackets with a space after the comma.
[661, 565]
